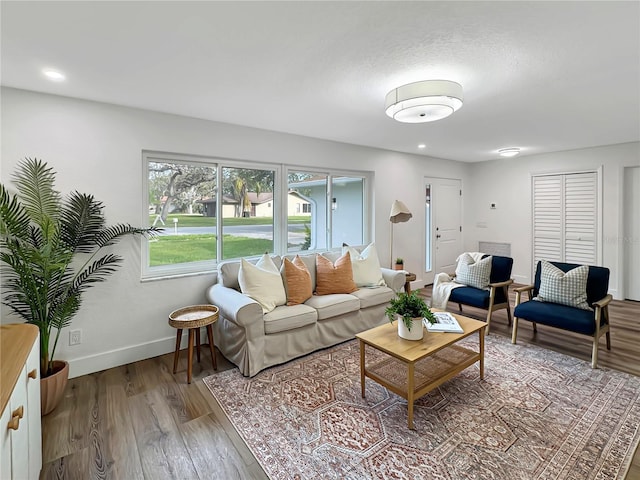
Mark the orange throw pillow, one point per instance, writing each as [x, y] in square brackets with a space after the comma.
[336, 278]
[297, 281]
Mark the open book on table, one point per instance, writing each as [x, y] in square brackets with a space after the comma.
[445, 322]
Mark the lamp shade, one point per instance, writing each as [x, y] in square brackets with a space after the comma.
[399, 212]
[424, 101]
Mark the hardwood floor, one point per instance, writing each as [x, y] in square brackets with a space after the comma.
[139, 421]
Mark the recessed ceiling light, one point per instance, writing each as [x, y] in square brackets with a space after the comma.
[422, 145]
[508, 152]
[54, 75]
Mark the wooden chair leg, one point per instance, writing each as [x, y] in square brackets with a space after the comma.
[606, 318]
[211, 347]
[190, 355]
[506, 296]
[594, 354]
[198, 343]
[486, 330]
[176, 355]
[535, 327]
[514, 330]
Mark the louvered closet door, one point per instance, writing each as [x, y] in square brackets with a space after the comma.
[580, 218]
[547, 218]
[565, 218]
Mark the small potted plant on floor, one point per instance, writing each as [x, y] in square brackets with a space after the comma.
[399, 265]
[51, 252]
[409, 309]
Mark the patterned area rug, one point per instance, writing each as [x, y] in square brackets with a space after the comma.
[537, 414]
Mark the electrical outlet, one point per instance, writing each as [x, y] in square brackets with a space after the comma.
[75, 337]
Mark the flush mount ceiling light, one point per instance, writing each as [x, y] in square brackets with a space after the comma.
[424, 101]
[422, 145]
[508, 152]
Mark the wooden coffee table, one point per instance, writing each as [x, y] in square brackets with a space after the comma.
[414, 368]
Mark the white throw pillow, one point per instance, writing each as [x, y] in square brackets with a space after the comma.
[472, 273]
[262, 282]
[365, 266]
[567, 288]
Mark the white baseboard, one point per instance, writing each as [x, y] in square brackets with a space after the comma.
[121, 356]
[114, 358]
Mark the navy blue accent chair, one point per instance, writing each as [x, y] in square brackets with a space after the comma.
[586, 322]
[496, 298]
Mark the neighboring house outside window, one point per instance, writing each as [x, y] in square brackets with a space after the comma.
[195, 199]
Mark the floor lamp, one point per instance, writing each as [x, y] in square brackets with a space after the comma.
[399, 214]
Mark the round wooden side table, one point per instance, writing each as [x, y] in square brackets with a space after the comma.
[193, 318]
[410, 277]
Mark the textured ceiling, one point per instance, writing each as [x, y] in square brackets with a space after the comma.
[544, 76]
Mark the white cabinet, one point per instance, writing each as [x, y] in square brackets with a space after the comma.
[20, 428]
[33, 417]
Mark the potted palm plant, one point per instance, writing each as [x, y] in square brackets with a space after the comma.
[409, 309]
[51, 252]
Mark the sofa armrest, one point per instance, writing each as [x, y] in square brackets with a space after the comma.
[234, 306]
[603, 302]
[395, 279]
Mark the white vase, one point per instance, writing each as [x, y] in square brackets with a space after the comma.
[416, 331]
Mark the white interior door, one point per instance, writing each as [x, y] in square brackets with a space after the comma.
[443, 209]
[632, 232]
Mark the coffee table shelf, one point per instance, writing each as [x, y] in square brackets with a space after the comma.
[429, 372]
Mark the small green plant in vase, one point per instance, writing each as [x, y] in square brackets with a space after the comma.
[412, 308]
[399, 265]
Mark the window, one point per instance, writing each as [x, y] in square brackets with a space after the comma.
[247, 219]
[181, 200]
[215, 209]
[347, 210]
[306, 231]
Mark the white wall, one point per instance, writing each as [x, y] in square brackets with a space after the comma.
[507, 183]
[96, 148]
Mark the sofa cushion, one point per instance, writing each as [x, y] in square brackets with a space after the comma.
[334, 278]
[332, 305]
[472, 273]
[309, 262]
[286, 318]
[332, 255]
[297, 281]
[262, 282]
[365, 266]
[228, 271]
[557, 315]
[372, 296]
[568, 288]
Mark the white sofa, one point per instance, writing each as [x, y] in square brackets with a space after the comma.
[254, 341]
